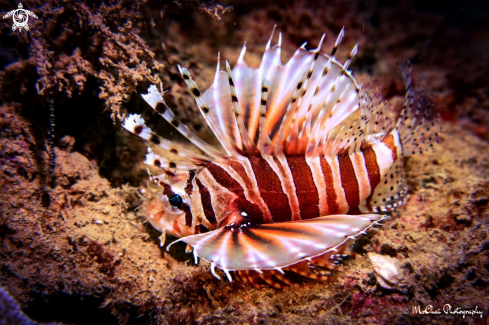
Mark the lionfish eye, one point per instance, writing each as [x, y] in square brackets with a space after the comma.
[175, 200]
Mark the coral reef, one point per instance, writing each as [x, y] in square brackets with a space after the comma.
[78, 251]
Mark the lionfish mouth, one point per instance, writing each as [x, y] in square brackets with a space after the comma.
[306, 156]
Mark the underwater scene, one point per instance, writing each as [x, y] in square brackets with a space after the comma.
[244, 162]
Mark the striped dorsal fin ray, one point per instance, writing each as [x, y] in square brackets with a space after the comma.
[299, 121]
[293, 104]
[303, 108]
[265, 144]
[248, 144]
[339, 97]
[284, 97]
[304, 126]
[218, 99]
[348, 135]
[334, 95]
[155, 99]
[244, 246]
[134, 123]
[204, 109]
[332, 139]
[288, 116]
[271, 61]
[315, 137]
[339, 38]
[246, 90]
[302, 101]
[165, 163]
[327, 67]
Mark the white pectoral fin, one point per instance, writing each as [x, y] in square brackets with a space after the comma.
[272, 246]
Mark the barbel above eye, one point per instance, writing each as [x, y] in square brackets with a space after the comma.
[175, 200]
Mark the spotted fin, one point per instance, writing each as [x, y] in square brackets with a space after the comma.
[155, 99]
[164, 163]
[134, 123]
[275, 246]
[391, 191]
[418, 124]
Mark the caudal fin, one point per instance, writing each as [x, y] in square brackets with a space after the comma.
[418, 123]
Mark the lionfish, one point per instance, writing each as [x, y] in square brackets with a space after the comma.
[308, 159]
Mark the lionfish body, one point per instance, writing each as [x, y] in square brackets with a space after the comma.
[307, 156]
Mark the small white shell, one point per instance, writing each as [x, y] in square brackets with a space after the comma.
[387, 270]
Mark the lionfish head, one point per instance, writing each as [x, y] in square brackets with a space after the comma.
[166, 209]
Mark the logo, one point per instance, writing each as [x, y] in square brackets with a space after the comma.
[20, 17]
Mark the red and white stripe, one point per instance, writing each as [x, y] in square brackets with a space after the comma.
[291, 188]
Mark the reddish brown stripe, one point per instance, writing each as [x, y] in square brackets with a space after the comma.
[373, 169]
[239, 169]
[333, 207]
[305, 188]
[389, 142]
[349, 183]
[188, 214]
[205, 198]
[224, 179]
[241, 203]
[271, 190]
[189, 187]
